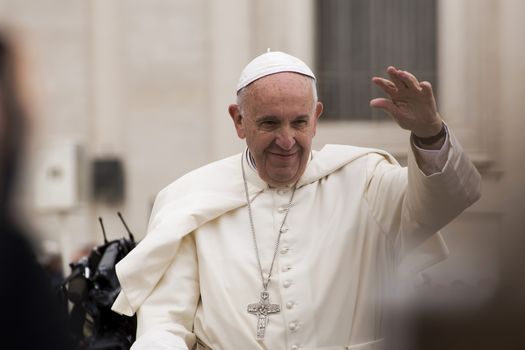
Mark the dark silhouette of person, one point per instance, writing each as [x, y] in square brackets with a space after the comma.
[30, 316]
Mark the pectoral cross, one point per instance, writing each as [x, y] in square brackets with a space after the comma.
[262, 310]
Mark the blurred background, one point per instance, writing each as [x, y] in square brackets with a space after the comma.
[125, 96]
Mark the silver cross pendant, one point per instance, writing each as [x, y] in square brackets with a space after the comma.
[262, 310]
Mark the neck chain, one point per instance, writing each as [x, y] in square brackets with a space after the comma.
[263, 308]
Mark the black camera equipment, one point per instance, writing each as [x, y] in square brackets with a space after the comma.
[92, 287]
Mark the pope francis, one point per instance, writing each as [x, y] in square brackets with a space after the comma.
[283, 247]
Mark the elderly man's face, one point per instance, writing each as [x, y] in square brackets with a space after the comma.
[278, 118]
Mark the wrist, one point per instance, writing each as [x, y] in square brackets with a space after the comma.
[430, 140]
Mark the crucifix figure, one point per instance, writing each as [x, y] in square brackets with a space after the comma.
[262, 310]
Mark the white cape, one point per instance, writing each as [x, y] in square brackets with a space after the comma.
[207, 193]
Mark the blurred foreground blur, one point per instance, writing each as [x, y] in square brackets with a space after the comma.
[31, 317]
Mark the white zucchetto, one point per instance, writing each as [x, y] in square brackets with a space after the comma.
[271, 63]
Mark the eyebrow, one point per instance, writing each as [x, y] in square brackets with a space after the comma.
[299, 117]
[265, 118]
[272, 118]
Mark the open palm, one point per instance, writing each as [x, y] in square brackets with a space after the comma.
[411, 104]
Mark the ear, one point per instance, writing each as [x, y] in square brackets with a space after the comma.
[317, 114]
[318, 110]
[238, 120]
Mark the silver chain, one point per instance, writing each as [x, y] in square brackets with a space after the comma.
[265, 282]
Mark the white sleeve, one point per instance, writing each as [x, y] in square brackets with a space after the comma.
[431, 161]
[165, 319]
[413, 205]
[159, 340]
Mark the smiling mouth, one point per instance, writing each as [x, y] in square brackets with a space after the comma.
[283, 155]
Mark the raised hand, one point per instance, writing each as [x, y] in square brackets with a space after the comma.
[411, 103]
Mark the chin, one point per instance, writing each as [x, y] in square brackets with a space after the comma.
[282, 180]
[281, 176]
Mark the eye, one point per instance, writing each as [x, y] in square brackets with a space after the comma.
[268, 124]
[300, 123]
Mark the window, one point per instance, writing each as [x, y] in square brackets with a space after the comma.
[358, 39]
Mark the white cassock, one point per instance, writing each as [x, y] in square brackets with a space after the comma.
[354, 217]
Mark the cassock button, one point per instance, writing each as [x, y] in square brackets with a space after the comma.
[286, 268]
[281, 210]
[284, 250]
[284, 229]
[282, 191]
[295, 347]
[289, 305]
[287, 283]
[293, 326]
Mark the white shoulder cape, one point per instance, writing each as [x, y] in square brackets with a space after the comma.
[205, 194]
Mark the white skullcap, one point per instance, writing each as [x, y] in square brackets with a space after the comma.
[271, 63]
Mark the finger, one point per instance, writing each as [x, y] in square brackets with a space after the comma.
[385, 104]
[426, 87]
[410, 80]
[394, 74]
[386, 85]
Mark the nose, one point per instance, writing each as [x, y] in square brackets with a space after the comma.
[285, 139]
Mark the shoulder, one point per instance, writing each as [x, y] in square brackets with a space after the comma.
[351, 152]
[350, 156]
[342, 158]
[208, 177]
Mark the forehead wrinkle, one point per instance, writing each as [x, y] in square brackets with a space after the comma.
[278, 88]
